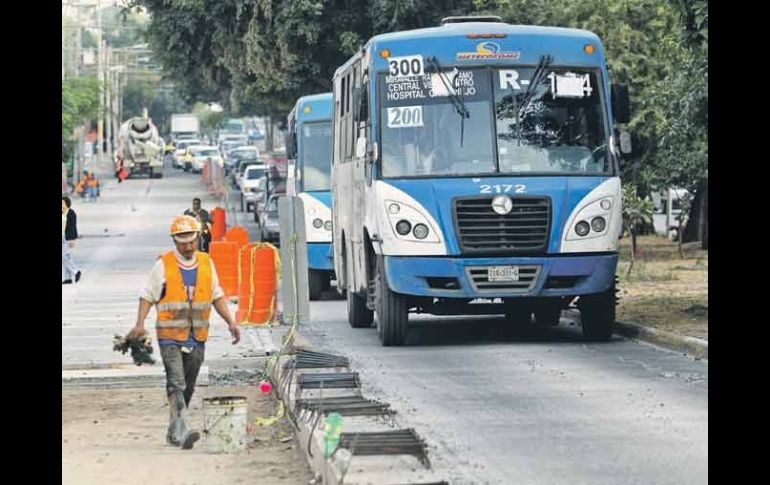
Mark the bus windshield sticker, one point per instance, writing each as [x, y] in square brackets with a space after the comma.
[405, 117]
[405, 66]
[570, 85]
[432, 88]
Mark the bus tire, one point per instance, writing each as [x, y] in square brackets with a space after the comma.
[315, 284]
[358, 315]
[597, 314]
[392, 311]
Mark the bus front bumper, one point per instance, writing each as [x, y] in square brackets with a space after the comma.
[319, 256]
[511, 277]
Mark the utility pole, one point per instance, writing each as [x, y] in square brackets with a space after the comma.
[108, 101]
[78, 47]
[100, 77]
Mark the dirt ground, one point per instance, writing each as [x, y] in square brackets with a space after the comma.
[663, 290]
[117, 436]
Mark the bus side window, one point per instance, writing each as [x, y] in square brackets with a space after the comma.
[343, 122]
[348, 119]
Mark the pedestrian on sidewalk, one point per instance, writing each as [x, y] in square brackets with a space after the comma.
[69, 233]
[183, 285]
[205, 220]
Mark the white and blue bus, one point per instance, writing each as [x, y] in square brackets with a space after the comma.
[308, 146]
[475, 171]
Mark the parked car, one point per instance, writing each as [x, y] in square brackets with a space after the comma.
[269, 226]
[250, 186]
[243, 163]
[238, 153]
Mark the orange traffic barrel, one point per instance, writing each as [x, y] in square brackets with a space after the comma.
[225, 257]
[219, 226]
[237, 234]
[258, 284]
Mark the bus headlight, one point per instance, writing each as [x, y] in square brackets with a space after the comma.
[591, 220]
[318, 223]
[328, 225]
[598, 224]
[420, 231]
[409, 223]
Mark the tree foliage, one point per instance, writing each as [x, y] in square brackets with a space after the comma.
[258, 56]
[79, 106]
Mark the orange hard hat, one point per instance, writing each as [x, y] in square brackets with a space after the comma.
[184, 225]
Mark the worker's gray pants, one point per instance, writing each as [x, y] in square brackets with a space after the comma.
[181, 373]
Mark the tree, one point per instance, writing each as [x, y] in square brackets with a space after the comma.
[636, 211]
[79, 106]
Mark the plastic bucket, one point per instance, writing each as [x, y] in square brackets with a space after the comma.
[224, 423]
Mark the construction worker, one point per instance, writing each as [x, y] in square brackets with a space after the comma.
[205, 220]
[184, 286]
[92, 186]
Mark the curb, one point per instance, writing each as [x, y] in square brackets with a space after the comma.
[336, 470]
[695, 347]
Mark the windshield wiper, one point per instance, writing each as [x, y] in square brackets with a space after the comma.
[537, 78]
[458, 102]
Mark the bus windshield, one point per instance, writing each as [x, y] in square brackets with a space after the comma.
[554, 125]
[315, 155]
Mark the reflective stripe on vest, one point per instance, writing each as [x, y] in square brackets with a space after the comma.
[176, 316]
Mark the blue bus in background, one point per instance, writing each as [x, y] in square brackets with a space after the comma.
[475, 171]
[308, 148]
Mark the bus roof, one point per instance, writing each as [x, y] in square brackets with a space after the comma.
[319, 106]
[526, 42]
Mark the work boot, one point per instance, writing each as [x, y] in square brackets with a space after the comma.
[187, 436]
[171, 436]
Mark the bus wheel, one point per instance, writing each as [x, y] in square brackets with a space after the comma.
[358, 315]
[392, 311]
[597, 314]
[315, 283]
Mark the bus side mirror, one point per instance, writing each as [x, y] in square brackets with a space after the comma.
[363, 105]
[621, 105]
[625, 142]
[290, 145]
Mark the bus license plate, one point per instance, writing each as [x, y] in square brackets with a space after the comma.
[503, 273]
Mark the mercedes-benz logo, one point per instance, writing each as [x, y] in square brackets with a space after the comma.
[502, 204]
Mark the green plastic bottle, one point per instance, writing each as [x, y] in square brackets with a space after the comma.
[332, 432]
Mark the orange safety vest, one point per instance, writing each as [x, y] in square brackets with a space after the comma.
[91, 182]
[176, 315]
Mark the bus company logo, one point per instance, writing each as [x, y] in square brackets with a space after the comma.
[488, 50]
[502, 204]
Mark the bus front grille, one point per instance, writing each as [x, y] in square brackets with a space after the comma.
[523, 230]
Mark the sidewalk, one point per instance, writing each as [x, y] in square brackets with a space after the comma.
[664, 299]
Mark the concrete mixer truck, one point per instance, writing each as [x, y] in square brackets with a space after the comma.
[140, 147]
